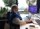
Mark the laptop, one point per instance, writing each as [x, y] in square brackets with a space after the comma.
[38, 22]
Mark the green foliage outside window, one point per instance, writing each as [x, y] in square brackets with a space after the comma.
[3, 11]
[9, 2]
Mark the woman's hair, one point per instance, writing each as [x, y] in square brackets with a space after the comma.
[13, 7]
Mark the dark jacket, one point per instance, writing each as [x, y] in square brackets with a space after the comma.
[11, 16]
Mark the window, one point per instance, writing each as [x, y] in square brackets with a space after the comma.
[23, 6]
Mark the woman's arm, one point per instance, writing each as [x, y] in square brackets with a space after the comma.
[18, 21]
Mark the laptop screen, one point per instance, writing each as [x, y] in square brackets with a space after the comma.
[33, 9]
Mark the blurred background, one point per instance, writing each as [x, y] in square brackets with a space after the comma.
[23, 5]
[27, 8]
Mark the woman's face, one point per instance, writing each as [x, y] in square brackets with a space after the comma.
[15, 8]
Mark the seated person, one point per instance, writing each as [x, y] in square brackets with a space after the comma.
[14, 18]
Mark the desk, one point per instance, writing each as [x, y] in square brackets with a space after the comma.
[27, 26]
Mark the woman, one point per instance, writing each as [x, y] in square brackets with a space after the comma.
[14, 18]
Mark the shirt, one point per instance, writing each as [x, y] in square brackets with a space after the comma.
[12, 15]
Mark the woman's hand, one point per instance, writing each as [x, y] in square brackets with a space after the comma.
[29, 21]
[22, 23]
